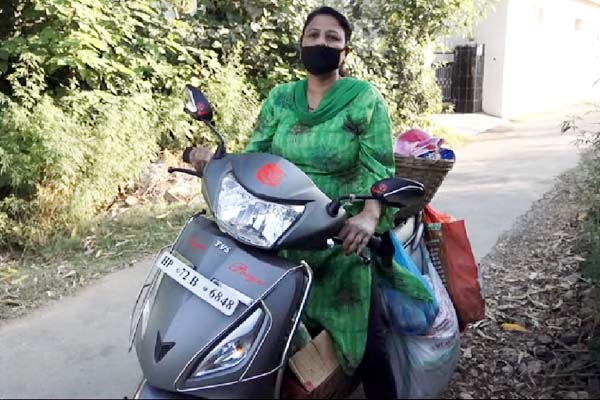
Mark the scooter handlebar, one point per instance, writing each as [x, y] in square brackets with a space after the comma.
[375, 244]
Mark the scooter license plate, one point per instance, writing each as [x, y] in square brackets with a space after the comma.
[219, 297]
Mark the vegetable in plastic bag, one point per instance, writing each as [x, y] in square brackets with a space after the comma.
[411, 312]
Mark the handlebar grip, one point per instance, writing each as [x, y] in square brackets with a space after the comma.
[185, 171]
[187, 154]
[375, 243]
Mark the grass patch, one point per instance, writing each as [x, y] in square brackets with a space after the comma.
[88, 252]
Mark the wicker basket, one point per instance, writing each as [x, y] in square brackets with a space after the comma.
[430, 173]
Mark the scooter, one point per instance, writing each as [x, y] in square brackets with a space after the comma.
[217, 313]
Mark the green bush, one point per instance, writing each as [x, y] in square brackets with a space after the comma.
[235, 102]
[122, 47]
[63, 160]
[390, 42]
[268, 30]
[90, 91]
[589, 189]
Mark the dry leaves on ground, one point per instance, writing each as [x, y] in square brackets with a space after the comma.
[534, 341]
[157, 184]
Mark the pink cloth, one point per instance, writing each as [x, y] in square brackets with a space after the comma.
[416, 142]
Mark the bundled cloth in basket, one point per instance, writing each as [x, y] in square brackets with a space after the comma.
[421, 157]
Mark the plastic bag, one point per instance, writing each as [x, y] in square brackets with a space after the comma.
[409, 315]
[430, 359]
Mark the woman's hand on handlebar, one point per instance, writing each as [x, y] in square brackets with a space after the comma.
[357, 231]
[199, 157]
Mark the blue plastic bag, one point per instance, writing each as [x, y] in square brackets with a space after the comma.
[409, 315]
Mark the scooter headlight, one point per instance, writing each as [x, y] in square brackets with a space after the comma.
[252, 220]
[234, 349]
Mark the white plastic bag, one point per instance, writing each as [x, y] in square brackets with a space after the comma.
[430, 359]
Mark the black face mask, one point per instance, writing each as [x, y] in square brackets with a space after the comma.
[320, 60]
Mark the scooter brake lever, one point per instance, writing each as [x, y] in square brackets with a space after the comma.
[365, 259]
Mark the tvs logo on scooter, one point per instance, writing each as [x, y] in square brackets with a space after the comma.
[242, 269]
[270, 174]
[222, 246]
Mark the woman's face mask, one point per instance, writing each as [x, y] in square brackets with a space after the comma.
[323, 43]
[320, 59]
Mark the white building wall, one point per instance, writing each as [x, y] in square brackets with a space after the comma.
[492, 33]
[539, 54]
[551, 58]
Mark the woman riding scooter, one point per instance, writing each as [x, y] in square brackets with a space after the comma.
[338, 131]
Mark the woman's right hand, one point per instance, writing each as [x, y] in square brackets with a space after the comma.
[199, 157]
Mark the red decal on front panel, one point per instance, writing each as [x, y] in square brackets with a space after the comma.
[270, 174]
[242, 269]
[195, 243]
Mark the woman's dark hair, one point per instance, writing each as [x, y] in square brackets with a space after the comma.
[341, 19]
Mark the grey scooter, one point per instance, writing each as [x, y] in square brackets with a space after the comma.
[217, 312]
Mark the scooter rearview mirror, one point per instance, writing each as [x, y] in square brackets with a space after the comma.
[398, 192]
[197, 105]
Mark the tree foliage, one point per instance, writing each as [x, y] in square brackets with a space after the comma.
[89, 92]
[392, 41]
[268, 31]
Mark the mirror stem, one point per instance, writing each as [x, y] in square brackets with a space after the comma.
[221, 150]
[333, 208]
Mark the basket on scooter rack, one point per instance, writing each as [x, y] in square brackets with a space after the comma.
[431, 173]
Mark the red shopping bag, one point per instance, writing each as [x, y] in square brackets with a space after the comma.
[432, 216]
[458, 263]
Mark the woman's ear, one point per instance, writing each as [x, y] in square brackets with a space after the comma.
[346, 51]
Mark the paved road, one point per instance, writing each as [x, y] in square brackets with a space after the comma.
[77, 348]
